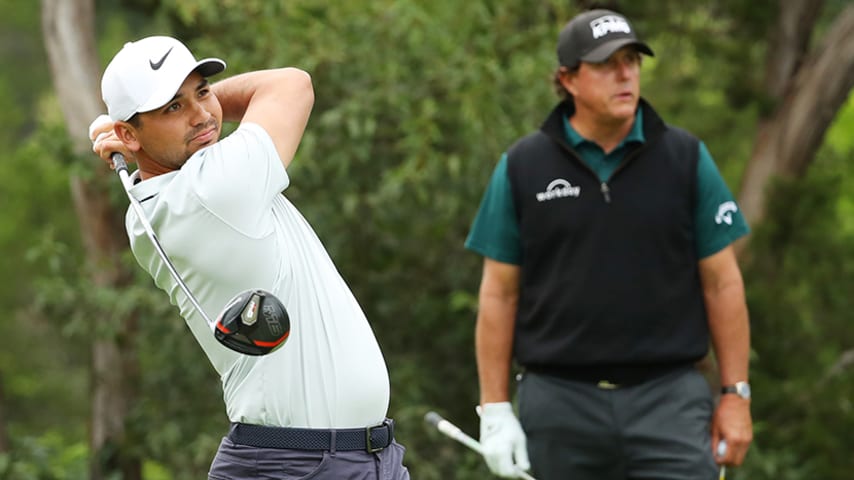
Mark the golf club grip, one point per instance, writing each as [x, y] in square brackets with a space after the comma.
[454, 432]
[433, 418]
[722, 447]
[119, 162]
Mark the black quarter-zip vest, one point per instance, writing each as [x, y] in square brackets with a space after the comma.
[609, 272]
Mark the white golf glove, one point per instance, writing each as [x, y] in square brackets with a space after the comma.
[502, 440]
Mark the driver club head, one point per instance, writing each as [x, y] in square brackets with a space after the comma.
[254, 322]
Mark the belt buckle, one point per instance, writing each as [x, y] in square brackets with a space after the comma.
[606, 385]
[369, 445]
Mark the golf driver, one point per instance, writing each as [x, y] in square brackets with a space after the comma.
[451, 430]
[254, 322]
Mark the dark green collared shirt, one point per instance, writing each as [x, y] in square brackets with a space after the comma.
[603, 163]
[718, 221]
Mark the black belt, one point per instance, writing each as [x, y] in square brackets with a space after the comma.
[610, 376]
[370, 439]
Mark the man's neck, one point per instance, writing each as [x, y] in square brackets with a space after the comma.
[606, 134]
[150, 168]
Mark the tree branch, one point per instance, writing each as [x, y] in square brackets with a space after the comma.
[789, 43]
[787, 141]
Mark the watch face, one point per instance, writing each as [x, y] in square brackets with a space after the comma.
[742, 389]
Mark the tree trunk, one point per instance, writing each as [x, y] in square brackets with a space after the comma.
[789, 43]
[68, 30]
[810, 90]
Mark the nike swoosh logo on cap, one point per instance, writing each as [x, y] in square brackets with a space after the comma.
[156, 66]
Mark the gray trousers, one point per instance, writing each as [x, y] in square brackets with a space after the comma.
[242, 462]
[657, 430]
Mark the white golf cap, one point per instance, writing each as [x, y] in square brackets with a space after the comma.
[146, 74]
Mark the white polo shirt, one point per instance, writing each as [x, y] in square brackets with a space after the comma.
[225, 224]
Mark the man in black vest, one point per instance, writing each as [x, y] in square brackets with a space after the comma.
[608, 268]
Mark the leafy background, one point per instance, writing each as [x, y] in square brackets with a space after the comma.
[415, 103]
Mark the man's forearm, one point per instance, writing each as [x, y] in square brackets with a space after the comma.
[726, 309]
[493, 348]
[730, 330]
[235, 93]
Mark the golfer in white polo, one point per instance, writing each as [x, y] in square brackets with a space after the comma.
[316, 406]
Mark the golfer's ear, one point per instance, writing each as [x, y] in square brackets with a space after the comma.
[567, 77]
[127, 134]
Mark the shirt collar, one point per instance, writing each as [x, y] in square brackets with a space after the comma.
[635, 134]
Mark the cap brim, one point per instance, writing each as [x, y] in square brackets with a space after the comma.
[209, 67]
[604, 51]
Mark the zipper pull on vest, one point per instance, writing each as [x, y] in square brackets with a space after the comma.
[606, 192]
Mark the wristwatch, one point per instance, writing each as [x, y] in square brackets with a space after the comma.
[742, 389]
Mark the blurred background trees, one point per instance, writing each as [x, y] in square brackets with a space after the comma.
[415, 103]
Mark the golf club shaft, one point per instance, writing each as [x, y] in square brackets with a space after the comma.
[454, 432]
[122, 170]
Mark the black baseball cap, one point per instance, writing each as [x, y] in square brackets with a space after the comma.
[595, 35]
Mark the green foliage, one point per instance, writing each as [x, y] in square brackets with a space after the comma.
[40, 371]
[839, 137]
[20, 46]
[802, 273]
[46, 457]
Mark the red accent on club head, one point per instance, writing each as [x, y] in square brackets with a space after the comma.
[221, 328]
[262, 343]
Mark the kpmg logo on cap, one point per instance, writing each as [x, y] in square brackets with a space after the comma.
[609, 24]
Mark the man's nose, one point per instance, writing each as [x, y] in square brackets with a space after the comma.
[200, 114]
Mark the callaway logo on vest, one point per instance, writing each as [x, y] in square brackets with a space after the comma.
[558, 188]
[725, 211]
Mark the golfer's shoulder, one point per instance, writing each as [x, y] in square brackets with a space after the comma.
[531, 145]
[530, 139]
[247, 157]
[250, 139]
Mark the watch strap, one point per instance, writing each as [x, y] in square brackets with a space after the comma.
[742, 389]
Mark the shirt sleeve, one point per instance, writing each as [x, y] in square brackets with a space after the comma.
[495, 231]
[238, 178]
[718, 221]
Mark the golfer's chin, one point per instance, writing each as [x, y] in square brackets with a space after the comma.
[623, 110]
[194, 147]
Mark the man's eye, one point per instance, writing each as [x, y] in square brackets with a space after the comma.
[173, 107]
